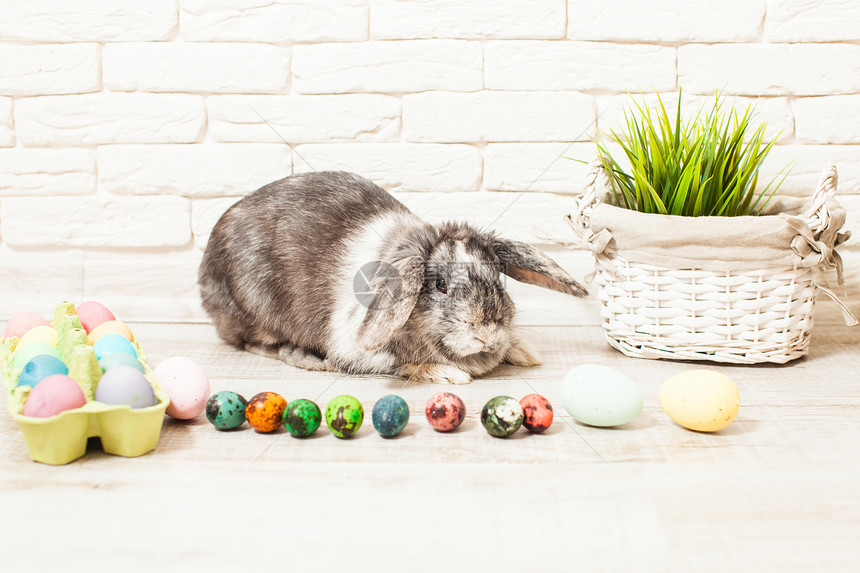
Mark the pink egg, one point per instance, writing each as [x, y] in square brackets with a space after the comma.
[186, 384]
[92, 314]
[19, 323]
[53, 395]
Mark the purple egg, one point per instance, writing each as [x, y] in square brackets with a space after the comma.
[123, 385]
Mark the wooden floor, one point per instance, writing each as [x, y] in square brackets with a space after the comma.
[779, 490]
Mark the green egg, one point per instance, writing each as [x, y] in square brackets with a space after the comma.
[344, 415]
[302, 418]
[120, 359]
[28, 352]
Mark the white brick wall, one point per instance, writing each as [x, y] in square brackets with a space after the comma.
[128, 127]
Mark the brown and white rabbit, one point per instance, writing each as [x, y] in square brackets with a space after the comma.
[283, 276]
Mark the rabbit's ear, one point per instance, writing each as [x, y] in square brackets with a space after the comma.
[397, 286]
[526, 264]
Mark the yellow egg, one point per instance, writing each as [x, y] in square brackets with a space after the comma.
[110, 327]
[701, 400]
[44, 334]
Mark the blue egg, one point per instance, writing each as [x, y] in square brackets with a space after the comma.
[390, 415]
[110, 343]
[120, 359]
[40, 367]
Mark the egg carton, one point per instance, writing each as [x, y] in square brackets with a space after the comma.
[61, 439]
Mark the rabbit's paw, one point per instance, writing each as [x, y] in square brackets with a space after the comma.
[522, 353]
[436, 374]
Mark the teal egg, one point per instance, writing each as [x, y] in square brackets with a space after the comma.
[39, 368]
[111, 343]
[25, 354]
[390, 415]
[120, 359]
[226, 410]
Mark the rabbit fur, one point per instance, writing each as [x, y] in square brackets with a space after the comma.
[327, 271]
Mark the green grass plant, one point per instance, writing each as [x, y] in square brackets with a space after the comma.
[706, 166]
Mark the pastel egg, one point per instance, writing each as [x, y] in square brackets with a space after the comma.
[701, 400]
[600, 396]
[537, 413]
[111, 343]
[120, 359]
[39, 368]
[44, 334]
[302, 418]
[21, 322]
[390, 415]
[226, 410]
[53, 395]
[24, 355]
[265, 411]
[110, 327]
[502, 416]
[344, 415]
[187, 385]
[124, 385]
[445, 411]
[92, 314]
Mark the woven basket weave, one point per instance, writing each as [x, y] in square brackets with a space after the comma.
[739, 316]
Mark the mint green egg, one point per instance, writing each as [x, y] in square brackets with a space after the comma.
[600, 396]
[25, 354]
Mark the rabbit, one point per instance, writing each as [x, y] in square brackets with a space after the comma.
[328, 271]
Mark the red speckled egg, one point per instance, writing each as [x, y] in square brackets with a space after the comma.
[445, 411]
[538, 413]
[265, 411]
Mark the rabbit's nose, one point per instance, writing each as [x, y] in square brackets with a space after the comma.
[482, 341]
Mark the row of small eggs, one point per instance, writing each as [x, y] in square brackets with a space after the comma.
[268, 411]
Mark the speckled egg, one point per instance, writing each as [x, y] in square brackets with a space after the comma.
[187, 385]
[445, 411]
[302, 418]
[226, 410]
[600, 396]
[265, 411]
[39, 368]
[701, 400]
[20, 322]
[502, 416]
[537, 413]
[344, 416]
[390, 415]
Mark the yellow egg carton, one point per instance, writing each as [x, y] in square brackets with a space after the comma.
[63, 438]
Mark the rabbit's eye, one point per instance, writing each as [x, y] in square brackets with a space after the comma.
[441, 285]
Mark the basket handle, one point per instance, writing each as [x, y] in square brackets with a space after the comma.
[818, 216]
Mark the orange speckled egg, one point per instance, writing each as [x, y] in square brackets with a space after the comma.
[265, 411]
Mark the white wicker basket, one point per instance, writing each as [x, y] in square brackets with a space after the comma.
[740, 316]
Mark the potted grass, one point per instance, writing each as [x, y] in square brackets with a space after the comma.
[695, 258]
